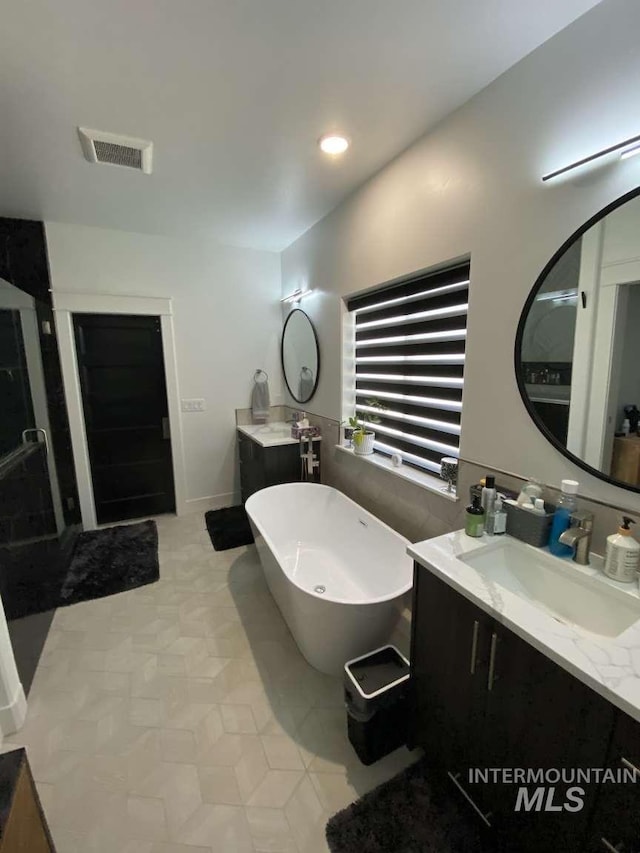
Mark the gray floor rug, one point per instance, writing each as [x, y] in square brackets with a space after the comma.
[412, 813]
[228, 528]
[111, 560]
[104, 562]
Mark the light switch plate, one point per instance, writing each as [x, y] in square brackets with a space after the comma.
[193, 405]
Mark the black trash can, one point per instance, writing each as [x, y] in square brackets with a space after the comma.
[375, 692]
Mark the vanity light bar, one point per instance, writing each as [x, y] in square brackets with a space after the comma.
[297, 295]
[427, 402]
[424, 294]
[439, 446]
[428, 423]
[417, 317]
[630, 152]
[452, 335]
[439, 381]
[627, 148]
[410, 457]
[441, 358]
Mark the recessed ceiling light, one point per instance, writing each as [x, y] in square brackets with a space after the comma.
[332, 143]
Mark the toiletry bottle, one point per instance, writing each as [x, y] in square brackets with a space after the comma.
[497, 519]
[488, 497]
[474, 518]
[538, 507]
[623, 554]
[567, 504]
[626, 428]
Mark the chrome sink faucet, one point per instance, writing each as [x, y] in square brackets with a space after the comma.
[578, 536]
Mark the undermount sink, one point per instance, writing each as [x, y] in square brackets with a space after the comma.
[275, 429]
[559, 587]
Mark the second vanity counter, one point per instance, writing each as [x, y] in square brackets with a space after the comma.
[274, 434]
[610, 665]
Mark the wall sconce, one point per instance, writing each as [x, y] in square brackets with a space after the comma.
[627, 148]
[296, 296]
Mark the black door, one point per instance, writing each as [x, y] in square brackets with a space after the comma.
[124, 398]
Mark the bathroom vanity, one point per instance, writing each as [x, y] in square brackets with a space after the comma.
[521, 660]
[268, 455]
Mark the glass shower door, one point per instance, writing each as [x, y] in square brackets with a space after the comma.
[31, 516]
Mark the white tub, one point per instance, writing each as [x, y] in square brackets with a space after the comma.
[337, 573]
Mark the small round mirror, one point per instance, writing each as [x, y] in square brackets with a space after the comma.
[300, 356]
[578, 346]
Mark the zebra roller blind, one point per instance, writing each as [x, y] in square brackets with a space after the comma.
[410, 343]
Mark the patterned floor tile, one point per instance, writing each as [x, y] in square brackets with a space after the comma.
[181, 717]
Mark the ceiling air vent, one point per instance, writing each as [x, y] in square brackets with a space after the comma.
[102, 147]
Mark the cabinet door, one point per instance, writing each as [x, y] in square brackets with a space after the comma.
[449, 653]
[252, 477]
[616, 820]
[281, 464]
[539, 716]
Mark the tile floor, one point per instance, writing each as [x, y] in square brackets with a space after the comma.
[181, 717]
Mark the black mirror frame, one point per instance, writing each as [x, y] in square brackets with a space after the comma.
[520, 333]
[315, 336]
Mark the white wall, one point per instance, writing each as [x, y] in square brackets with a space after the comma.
[473, 186]
[227, 323]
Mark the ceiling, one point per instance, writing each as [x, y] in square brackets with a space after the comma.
[234, 95]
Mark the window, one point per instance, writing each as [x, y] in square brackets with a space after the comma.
[409, 356]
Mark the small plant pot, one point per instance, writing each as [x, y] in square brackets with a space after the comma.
[363, 444]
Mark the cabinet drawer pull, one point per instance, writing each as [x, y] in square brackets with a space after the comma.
[631, 767]
[474, 646]
[492, 661]
[485, 818]
[609, 846]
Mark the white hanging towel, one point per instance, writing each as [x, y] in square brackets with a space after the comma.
[260, 402]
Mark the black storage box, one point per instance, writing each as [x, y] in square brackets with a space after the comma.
[375, 692]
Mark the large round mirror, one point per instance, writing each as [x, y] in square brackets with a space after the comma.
[300, 356]
[578, 346]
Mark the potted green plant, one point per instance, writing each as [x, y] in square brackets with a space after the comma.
[362, 436]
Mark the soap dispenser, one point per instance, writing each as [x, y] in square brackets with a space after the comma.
[623, 554]
[474, 518]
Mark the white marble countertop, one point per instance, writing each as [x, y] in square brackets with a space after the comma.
[609, 665]
[272, 434]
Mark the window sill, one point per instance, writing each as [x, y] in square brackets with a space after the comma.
[405, 472]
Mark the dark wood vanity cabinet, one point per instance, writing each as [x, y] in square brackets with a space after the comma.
[267, 466]
[615, 825]
[484, 698]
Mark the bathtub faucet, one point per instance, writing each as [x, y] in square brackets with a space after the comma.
[308, 460]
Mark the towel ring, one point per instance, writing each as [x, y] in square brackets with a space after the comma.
[258, 372]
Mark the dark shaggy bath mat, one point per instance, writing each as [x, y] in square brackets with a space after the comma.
[112, 560]
[228, 527]
[412, 813]
[104, 562]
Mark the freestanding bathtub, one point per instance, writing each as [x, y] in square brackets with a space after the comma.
[337, 573]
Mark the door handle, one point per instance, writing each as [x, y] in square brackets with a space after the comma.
[492, 661]
[474, 646]
[37, 430]
[166, 430]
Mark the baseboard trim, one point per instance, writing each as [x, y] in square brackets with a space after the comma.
[12, 716]
[211, 502]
